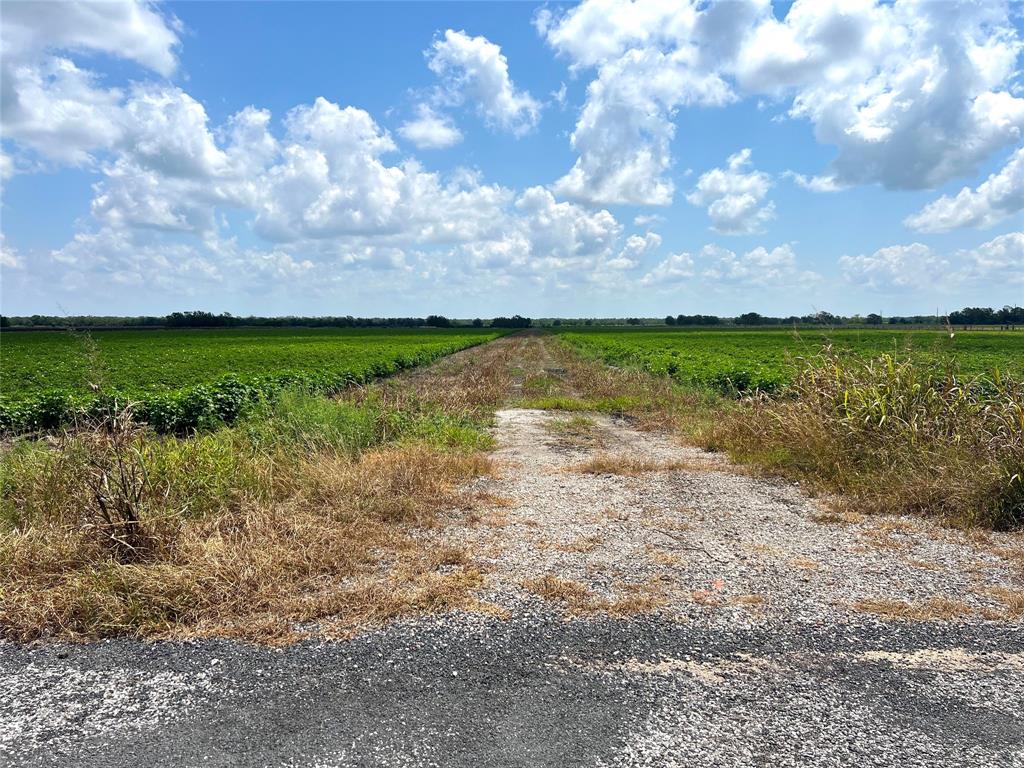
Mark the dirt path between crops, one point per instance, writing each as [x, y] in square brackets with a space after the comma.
[644, 604]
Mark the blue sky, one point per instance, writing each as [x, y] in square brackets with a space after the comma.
[608, 158]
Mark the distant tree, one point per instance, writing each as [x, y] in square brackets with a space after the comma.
[749, 318]
[558, 322]
[516, 321]
[588, 321]
[1010, 315]
[478, 323]
[698, 320]
[873, 319]
[4, 322]
[438, 321]
[633, 321]
[669, 320]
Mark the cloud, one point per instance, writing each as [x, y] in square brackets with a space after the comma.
[904, 268]
[910, 94]
[895, 267]
[1000, 196]
[543, 236]
[332, 180]
[636, 247]
[8, 255]
[127, 29]
[624, 131]
[325, 193]
[815, 183]
[734, 198]
[674, 268]
[999, 261]
[559, 96]
[597, 31]
[760, 267]
[430, 130]
[716, 267]
[58, 110]
[649, 61]
[170, 173]
[474, 69]
[646, 219]
[52, 106]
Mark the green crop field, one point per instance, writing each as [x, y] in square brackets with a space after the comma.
[181, 377]
[766, 358]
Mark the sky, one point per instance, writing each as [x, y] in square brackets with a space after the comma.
[606, 158]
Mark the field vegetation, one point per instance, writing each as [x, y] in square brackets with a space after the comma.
[179, 380]
[731, 361]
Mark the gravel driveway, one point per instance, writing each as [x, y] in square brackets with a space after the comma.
[747, 627]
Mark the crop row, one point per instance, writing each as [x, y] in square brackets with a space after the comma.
[222, 399]
[766, 360]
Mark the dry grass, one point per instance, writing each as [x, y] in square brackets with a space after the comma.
[572, 595]
[888, 436]
[1012, 600]
[668, 559]
[891, 437]
[578, 599]
[934, 609]
[838, 517]
[582, 545]
[804, 564]
[344, 548]
[316, 516]
[575, 432]
[631, 466]
[748, 600]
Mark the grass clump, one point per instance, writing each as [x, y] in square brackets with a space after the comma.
[306, 511]
[894, 436]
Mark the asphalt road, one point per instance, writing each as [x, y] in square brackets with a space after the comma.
[535, 690]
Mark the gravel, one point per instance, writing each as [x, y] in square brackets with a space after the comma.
[756, 656]
[717, 545]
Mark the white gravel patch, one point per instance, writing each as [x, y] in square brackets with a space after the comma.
[59, 706]
[715, 544]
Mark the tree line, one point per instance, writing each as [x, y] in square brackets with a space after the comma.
[968, 316]
[200, 319]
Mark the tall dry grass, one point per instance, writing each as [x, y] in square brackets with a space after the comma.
[307, 511]
[891, 435]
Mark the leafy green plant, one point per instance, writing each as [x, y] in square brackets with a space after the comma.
[231, 371]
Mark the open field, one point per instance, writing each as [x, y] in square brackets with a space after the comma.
[443, 544]
[181, 378]
[767, 359]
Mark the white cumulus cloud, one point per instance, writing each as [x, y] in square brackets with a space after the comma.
[48, 103]
[896, 268]
[715, 266]
[911, 94]
[734, 197]
[430, 130]
[474, 70]
[674, 268]
[636, 247]
[1000, 196]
